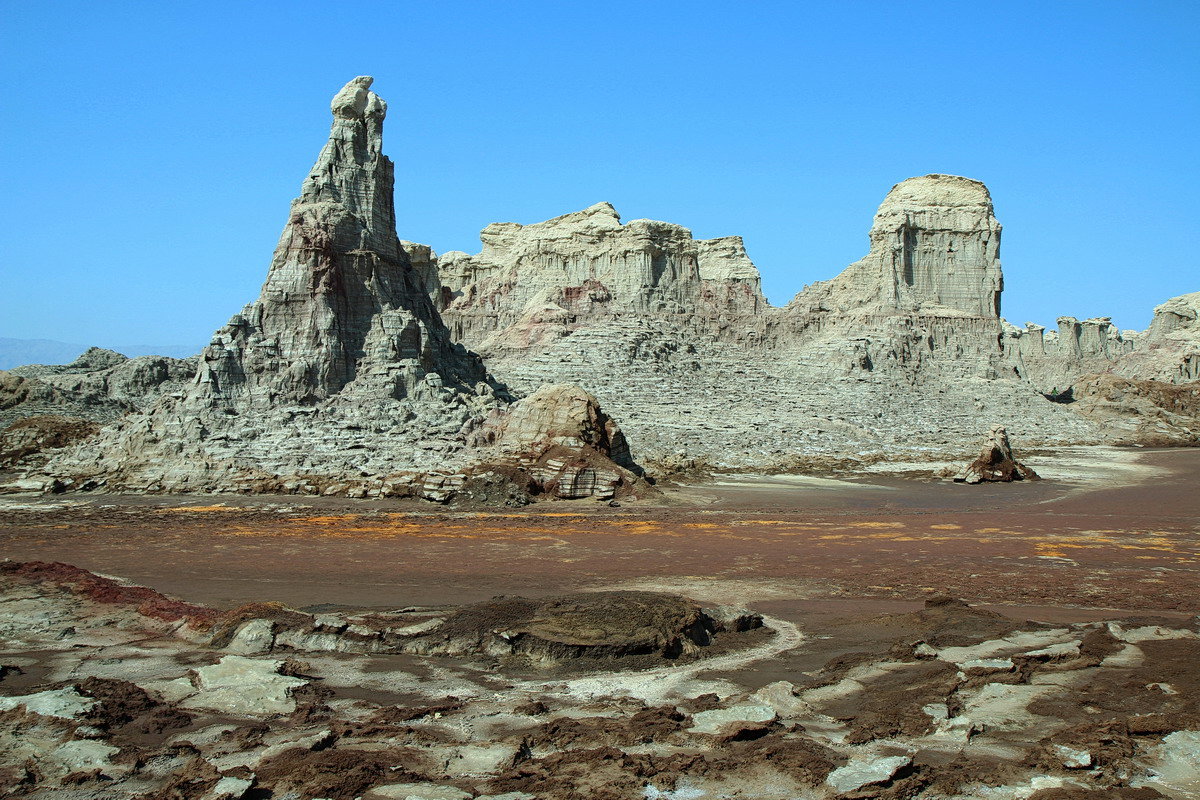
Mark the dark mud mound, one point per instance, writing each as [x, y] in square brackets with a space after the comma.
[124, 708]
[948, 622]
[336, 774]
[590, 625]
[100, 589]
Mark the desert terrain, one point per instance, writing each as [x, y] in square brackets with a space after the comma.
[749, 636]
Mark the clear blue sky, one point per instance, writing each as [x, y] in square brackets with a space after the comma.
[150, 149]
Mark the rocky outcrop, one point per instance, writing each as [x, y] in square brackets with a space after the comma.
[532, 284]
[100, 385]
[996, 462]
[341, 376]
[935, 251]
[1169, 350]
[356, 371]
[33, 438]
[1052, 360]
[902, 352]
[1144, 412]
[565, 442]
[1056, 362]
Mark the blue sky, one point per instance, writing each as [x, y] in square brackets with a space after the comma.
[150, 150]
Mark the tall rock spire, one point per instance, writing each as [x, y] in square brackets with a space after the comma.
[342, 378]
[352, 173]
[340, 298]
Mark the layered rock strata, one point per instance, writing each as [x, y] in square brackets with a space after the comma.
[935, 252]
[352, 373]
[1052, 360]
[100, 385]
[1169, 351]
[903, 352]
[1145, 412]
[341, 376]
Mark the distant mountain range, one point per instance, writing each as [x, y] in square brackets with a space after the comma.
[18, 352]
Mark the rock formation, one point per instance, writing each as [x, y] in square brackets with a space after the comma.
[560, 436]
[351, 372]
[1052, 360]
[1145, 412]
[341, 376]
[901, 353]
[1169, 350]
[99, 385]
[996, 462]
[533, 284]
[31, 439]
[935, 251]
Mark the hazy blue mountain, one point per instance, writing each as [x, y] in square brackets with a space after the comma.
[18, 352]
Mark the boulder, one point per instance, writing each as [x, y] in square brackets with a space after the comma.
[996, 462]
[735, 721]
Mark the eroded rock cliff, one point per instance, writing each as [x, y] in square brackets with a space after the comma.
[901, 353]
[356, 369]
[341, 377]
[935, 251]
[100, 385]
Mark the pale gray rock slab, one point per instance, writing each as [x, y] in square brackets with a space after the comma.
[415, 791]
[86, 755]
[866, 771]
[243, 686]
[480, 759]
[729, 721]
[229, 788]
[781, 697]
[1175, 764]
[1072, 757]
[253, 637]
[63, 703]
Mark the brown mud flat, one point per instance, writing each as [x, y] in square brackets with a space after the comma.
[1069, 672]
[103, 697]
[1047, 545]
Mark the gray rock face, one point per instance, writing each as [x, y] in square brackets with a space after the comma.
[935, 251]
[1169, 350]
[1053, 360]
[100, 385]
[902, 352]
[532, 284]
[1146, 412]
[351, 372]
[341, 303]
[340, 375]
